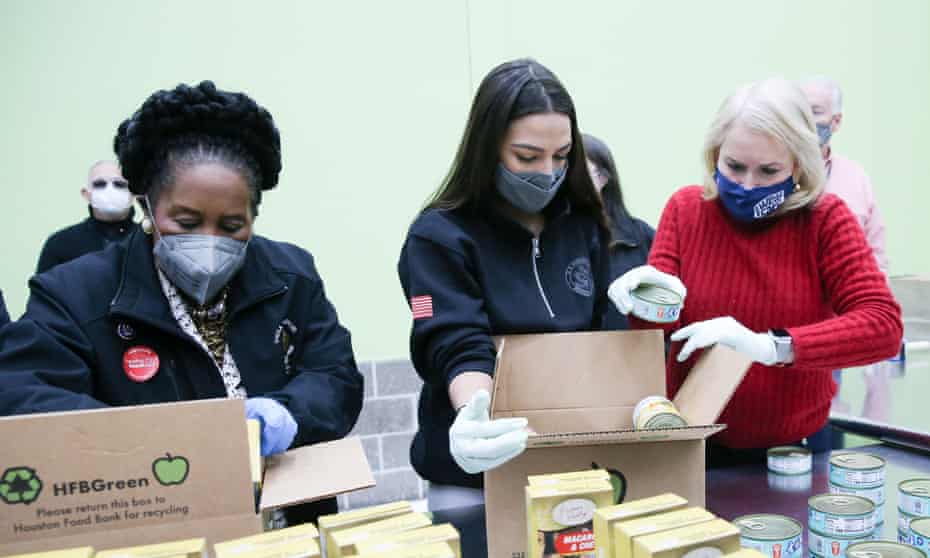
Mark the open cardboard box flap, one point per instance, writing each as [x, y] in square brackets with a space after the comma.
[581, 388]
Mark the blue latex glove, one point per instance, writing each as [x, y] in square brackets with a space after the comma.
[278, 426]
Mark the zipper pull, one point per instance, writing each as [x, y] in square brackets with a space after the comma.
[536, 253]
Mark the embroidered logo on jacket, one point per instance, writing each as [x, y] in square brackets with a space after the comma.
[421, 307]
[578, 277]
[284, 336]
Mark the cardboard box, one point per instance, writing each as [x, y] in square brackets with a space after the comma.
[235, 547]
[330, 523]
[716, 537]
[605, 518]
[625, 532]
[344, 540]
[307, 548]
[578, 391]
[435, 550]
[442, 533]
[82, 552]
[560, 517]
[128, 476]
[189, 548]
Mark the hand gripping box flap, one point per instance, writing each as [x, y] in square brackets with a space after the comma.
[581, 388]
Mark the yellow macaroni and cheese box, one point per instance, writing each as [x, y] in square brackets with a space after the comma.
[559, 517]
[188, 548]
[82, 552]
[717, 536]
[604, 518]
[626, 531]
[586, 475]
[345, 520]
[235, 547]
[307, 548]
[344, 540]
[428, 535]
[435, 550]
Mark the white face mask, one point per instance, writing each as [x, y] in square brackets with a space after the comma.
[110, 201]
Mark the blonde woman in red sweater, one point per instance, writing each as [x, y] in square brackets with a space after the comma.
[774, 269]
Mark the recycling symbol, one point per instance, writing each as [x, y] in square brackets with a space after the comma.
[20, 485]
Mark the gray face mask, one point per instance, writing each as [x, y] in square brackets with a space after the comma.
[824, 132]
[199, 265]
[529, 191]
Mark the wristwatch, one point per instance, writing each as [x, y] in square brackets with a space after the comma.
[784, 346]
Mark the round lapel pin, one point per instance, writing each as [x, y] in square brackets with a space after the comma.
[140, 363]
[126, 332]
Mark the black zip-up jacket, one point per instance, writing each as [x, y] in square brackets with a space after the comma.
[67, 350]
[90, 235]
[485, 275]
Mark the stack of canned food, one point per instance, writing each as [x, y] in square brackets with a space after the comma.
[914, 513]
[853, 511]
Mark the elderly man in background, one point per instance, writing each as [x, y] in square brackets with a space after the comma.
[110, 205]
[845, 177]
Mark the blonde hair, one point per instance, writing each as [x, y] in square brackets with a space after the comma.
[778, 108]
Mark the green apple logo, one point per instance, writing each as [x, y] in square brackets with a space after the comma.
[20, 485]
[170, 470]
[617, 481]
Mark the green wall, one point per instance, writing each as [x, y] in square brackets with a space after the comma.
[371, 98]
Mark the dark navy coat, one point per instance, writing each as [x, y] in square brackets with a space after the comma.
[90, 235]
[485, 275]
[82, 316]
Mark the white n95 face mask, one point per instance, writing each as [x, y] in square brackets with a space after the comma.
[110, 201]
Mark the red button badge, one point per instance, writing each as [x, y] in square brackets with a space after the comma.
[140, 363]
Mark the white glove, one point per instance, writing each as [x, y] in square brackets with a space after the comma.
[478, 443]
[619, 290]
[760, 347]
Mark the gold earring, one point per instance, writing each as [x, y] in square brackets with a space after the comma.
[147, 225]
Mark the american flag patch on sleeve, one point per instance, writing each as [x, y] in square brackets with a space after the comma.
[421, 306]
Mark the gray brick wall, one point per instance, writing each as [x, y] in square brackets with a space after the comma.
[386, 427]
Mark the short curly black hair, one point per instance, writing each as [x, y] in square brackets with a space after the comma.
[196, 124]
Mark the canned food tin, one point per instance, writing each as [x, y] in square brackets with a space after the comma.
[914, 497]
[840, 514]
[775, 536]
[656, 304]
[883, 549]
[857, 470]
[656, 412]
[790, 483]
[789, 460]
[831, 547]
[874, 495]
[904, 521]
[919, 534]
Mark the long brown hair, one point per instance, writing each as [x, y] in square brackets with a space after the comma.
[510, 91]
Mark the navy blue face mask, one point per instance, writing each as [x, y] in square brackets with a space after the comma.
[751, 204]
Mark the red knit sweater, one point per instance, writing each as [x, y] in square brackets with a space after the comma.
[811, 272]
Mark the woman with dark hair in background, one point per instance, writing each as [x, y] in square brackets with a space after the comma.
[631, 238]
[221, 311]
[514, 241]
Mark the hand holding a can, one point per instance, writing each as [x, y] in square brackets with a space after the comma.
[727, 331]
[620, 291]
